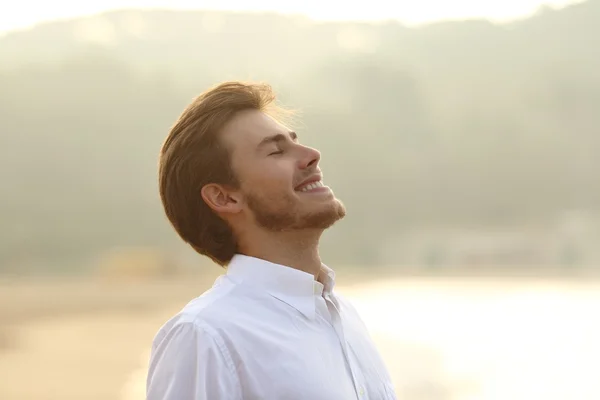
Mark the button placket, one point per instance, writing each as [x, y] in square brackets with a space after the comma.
[337, 325]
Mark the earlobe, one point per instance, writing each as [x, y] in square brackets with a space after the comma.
[220, 199]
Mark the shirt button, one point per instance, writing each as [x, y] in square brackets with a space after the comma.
[361, 391]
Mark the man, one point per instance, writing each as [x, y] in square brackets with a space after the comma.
[239, 187]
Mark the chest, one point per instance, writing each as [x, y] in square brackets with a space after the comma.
[317, 359]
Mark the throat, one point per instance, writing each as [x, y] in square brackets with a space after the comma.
[285, 248]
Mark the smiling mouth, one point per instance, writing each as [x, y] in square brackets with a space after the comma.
[310, 186]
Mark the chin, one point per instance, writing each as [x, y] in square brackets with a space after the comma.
[325, 216]
[331, 204]
[340, 208]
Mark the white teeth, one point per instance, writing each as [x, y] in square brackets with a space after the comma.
[312, 186]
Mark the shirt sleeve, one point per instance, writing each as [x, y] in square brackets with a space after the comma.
[190, 362]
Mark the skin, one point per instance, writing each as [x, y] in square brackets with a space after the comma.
[271, 217]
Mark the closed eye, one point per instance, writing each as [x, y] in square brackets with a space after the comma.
[276, 153]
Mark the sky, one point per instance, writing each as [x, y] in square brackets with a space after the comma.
[25, 13]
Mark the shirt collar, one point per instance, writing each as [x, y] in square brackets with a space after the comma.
[292, 286]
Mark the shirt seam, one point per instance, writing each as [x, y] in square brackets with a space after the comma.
[224, 352]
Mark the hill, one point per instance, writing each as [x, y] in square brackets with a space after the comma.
[457, 123]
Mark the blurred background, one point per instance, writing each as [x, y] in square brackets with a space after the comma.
[463, 137]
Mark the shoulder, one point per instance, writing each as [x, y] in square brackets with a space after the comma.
[350, 314]
[189, 358]
[193, 336]
[345, 304]
[208, 314]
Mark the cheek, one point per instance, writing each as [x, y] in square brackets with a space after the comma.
[269, 178]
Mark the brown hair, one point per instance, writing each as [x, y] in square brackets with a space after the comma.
[193, 156]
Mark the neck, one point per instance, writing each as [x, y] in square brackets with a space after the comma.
[299, 249]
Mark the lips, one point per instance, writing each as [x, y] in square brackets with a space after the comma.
[309, 184]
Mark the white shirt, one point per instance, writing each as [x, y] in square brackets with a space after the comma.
[267, 332]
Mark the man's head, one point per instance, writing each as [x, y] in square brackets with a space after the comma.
[228, 168]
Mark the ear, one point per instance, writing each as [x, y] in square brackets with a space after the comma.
[221, 199]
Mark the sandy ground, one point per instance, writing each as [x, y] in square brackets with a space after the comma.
[80, 339]
[443, 339]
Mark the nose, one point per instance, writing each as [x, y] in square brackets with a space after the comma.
[310, 158]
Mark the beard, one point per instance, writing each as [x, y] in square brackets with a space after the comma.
[286, 214]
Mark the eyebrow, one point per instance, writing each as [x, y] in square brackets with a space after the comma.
[278, 138]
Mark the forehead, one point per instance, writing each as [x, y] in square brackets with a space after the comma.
[248, 128]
